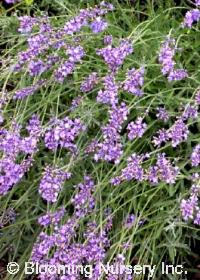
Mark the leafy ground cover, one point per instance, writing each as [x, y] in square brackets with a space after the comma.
[99, 135]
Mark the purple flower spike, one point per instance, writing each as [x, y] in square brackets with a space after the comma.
[191, 17]
[136, 129]
[195, 157]
[89, 83]
[75, 53]
[114, 57]
[178, 132]
[162, 114]
[51, 183]
[110, 93]
[188, 207]
[98, 25]
[63, 133]
[134, 81]
[65, 69]
[108, 39]
[83, 200]
[36, 68]
[51, 218]
[166, 59]
[197, 2]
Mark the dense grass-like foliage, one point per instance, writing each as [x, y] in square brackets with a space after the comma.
[99, 134]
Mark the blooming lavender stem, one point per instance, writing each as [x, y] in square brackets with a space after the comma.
[51, 183]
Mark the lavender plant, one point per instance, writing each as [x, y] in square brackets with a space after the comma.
[99, 136]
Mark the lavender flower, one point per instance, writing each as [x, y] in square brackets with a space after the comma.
[197, 2]
[166, 59]
[89, 83]
[114, 57]
[12, 143]
[134, 81]
[75, 24]
[76, 102]
[83, 200]
[109, 151]
[197, 218]
[177, 75]
[195, 156]
[118, 115]
[63, 132]
[130, 219]
[26, 24]
[11, 173]
[36, 68]
[65, 69]
[178, 132]
[197, 98]
[51, 218]
[162, 114]
[108, 39]
[1, 117]
[190, 112]
[166, 55]
[27, 91]
[51, 183]
[98, 25]
[188, 207]
[166, 172]
[11, 1]
[136, 129]
[191, 17]
[111, 148]
[42, 247]
[65, 233]
[133, 170]
[75, 53]
[110, 94]
[162, 137]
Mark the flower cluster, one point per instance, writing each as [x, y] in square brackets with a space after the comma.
[191, 17]
[91, 17]
[190, 112]
[83, 200]
[12, 144]
[52, 218]
[27, 91]
[115, 56]
[162, 171]
[195, 156]
[111, 148]
[62, 133]
[89, 83]
[162, 114]
[133, 170]
[11, 1]
[12, 173]
[52, 182]
[136, 129]
[197, 98]
[67, 250]
[134, 81]
[190, 207]
[166, 59]
[110, 93]
[177, 133]
[39, 56]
